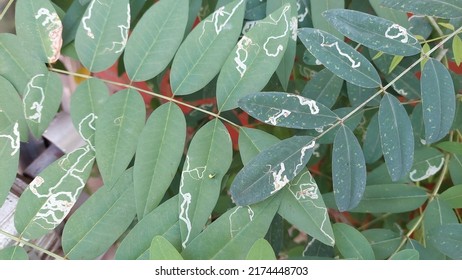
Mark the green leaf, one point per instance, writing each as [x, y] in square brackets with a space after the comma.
[351, 243]
[158, 156]
[13, 253]
[438, 100]
[71, 20]
[11, 111]
[119, 126]
[455, 165]
[287, 110]
[395, 16]
[448, 240]
[437, 8]
[453, 196]
[208, 159]
[87, 102]
[383, 241]
[373, 32]
[301, 203]
[137, 243]
[437, 213]
[39, 27]
[324, 88]
[284, 70]
[162, 249]
[358, 95]
[254, 59]
[206, 48]
[348, 169]
[451, 147]
[271, 170]
[303, 206]
[394, 63]
[261, 250]
[50, 196]
[396, 137]
[253, 141]
[16, 64]
[372, 147]
[155, 39]
[41, 99]
[406, 254]
[340, 58]
[407, 86]
[425, 253]
[103, 33]
[427, 162]
[457, 49]
[9, 158]
[319, 22]
[233, 231]
[101, 220]
[393, 198]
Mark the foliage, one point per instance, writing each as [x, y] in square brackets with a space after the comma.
[231, 124]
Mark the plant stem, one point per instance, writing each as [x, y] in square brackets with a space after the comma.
[6, 9]
[33, 246]
[130, 86]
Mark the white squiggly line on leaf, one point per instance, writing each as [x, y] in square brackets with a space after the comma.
[354, 64]
[14, 139]
[123, 34]
[55, 28]
[36, 106]
[195, 174]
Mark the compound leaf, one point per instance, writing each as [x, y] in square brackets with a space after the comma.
[103, 33]
[40, 28]
[391, 198]
[158, 156]
[136, 245]
[87, 102]
[340, 58]
[101, 220]
[351, 243]
[437, 8]
[448, 240]
[287, 110]
[162, 249]
[427, 162]
[301, 204]
[438, 100]
[119, 126]
[9, 158]
[348, 169]
[406, 254]
[254, 59]
[155, 39]
[13, 253]
[324, 88]
[261, 250]
[208, 159]
[16, 64]
[50, 196]
[319, 22]
[396, 137]
[373, 32]
[206, 48]
[271, 170]
[41, 101]
[453, 196]
[238, 228]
